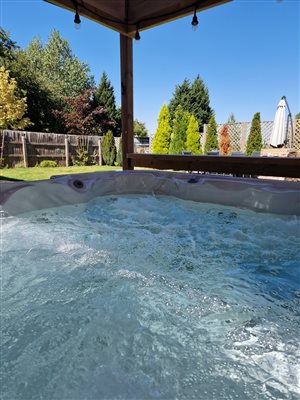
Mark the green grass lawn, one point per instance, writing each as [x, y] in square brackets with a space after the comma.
[37, 173]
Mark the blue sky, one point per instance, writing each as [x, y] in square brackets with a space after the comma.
[246, 51]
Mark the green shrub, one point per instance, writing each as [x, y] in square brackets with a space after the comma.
[211, 142]
[254, 142]
[48, 164]
[108, 148]
[162, 137]
[119, 153]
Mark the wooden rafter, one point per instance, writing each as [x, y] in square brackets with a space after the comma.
[124, 15]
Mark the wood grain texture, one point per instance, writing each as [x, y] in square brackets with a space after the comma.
[265, 166]
[126, 98]
[124, 15]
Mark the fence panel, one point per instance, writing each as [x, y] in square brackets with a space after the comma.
[240, 131]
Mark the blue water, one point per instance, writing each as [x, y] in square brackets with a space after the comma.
[148, 297]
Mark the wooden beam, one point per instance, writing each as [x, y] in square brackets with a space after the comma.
[149, 14]
[67, 155]
[265, 166]
[126, 99]
[24, 150]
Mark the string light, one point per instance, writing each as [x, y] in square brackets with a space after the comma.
[195, 21]
[137, 34]
[77, 20]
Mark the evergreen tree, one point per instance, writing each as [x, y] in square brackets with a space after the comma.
[297, 116]
[119, 153]
[12, 108]
[234, 132]
[108, 148]
[194, 98]
[7, 47]
[178, 136]
[105, 97]
[211, 142]
[224, 141]
[231, 119]
[199, 102]
[162, 137]
[254, 142]
[193, 137]
[181, 97]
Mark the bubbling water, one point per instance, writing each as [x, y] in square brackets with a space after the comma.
[143, 297]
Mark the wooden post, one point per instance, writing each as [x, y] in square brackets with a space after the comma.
[126, 99]
[25, 158]
[67, 150]
[99, 152]
[243, 139]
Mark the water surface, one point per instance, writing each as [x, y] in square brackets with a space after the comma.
[143, 297]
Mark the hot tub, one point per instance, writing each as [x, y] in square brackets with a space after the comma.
[268, 196]
[141, 285]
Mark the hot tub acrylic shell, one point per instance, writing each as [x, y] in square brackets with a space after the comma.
[279, 197]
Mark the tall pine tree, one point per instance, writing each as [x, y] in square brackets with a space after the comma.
[254, 141]
[105, 97]
[211, 142]
[161, 140]
[108, 148]
[193, 137]
[194, 98]
[181, 97]
[178, 137]
[199, 102]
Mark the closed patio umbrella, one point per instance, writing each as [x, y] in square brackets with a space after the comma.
[279, 132]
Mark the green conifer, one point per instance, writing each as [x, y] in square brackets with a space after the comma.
[161, 140]
[105, 97]
[211, 142]
[199, 102]
[119, 153]
[178, 137]
[108, 148]
[254, 142]
[194, 98]
[231, 119]
[181, 97]
[193, 137]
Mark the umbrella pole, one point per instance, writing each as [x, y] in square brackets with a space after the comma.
[289, 118]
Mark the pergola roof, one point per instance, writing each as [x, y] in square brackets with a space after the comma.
[125, 15]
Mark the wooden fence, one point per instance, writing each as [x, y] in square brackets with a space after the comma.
[22, 148]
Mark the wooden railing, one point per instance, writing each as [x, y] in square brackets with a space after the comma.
[265, 166]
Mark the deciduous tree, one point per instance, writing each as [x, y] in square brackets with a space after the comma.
[12, 108]
[139, 129]
[224, 141]
[82, 117]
